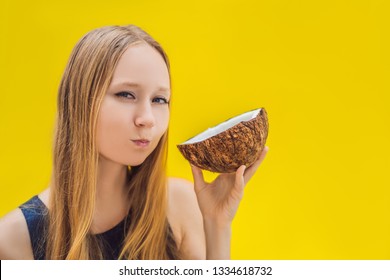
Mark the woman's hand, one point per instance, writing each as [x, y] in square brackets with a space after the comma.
[219, 200]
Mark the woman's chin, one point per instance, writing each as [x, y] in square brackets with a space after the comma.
[134, 163]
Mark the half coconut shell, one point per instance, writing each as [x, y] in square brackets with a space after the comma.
[225, 147]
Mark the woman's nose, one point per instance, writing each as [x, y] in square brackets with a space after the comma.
[144, 117]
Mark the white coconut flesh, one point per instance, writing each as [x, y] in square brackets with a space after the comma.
[223, 126]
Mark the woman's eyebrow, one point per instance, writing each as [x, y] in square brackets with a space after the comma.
[136, 85]
[129, 84]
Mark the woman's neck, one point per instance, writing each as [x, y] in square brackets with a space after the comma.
[112, 203]
[111, 179]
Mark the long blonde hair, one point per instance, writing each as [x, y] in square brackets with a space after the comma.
[72, 202]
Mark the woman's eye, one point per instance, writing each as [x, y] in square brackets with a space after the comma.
[126, 95]
[160, 100]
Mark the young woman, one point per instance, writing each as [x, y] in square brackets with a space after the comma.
[109, 197]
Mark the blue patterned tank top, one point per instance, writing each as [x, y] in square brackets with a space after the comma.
[35, 212]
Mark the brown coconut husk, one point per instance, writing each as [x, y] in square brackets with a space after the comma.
[227, 151]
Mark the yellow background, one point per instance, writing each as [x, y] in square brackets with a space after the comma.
[320, 68]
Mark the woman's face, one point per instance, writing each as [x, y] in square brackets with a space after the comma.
[134, 113]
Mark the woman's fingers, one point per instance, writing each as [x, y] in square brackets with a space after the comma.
[197, 174]
[242, 176]
[252, 169]
[239, 179]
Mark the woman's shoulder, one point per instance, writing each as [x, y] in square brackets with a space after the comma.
[14, 237]
[186, 219]
[181, 197]
[179, 187]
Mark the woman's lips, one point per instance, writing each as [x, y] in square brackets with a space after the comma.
[141, 142]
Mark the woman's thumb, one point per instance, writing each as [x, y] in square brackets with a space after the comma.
[197, 174]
